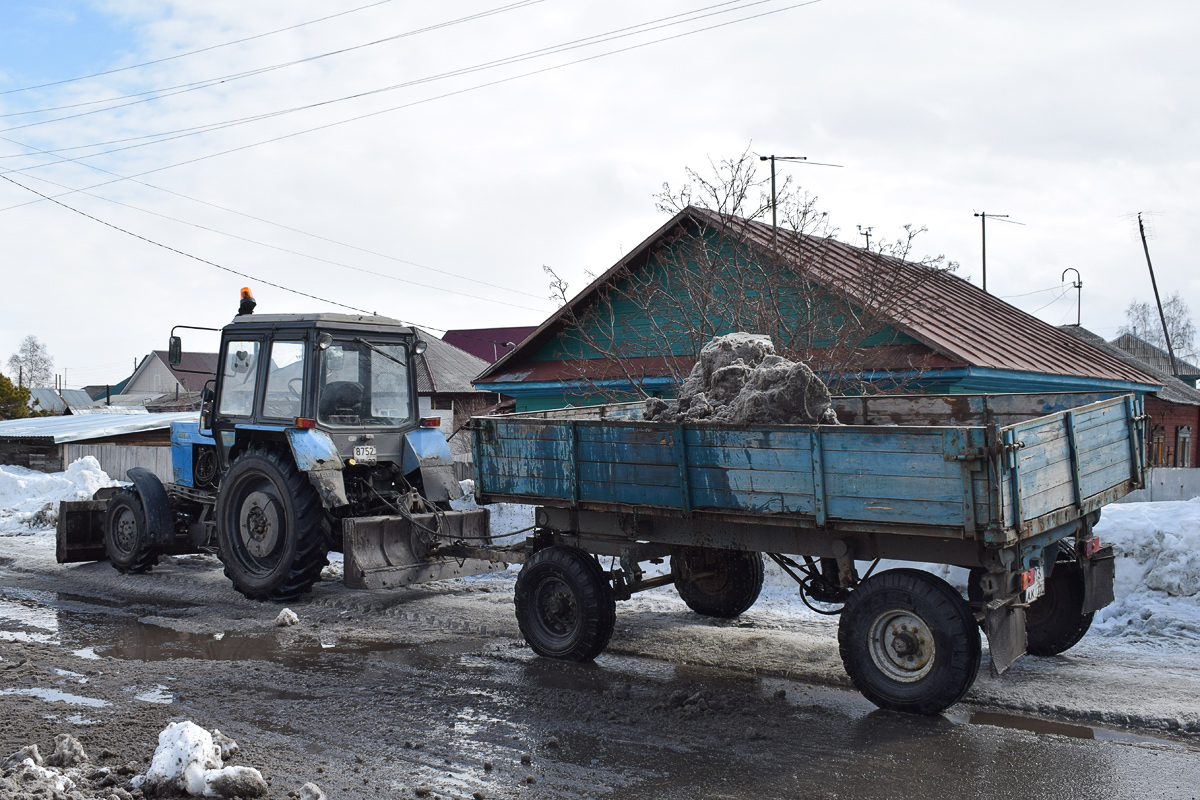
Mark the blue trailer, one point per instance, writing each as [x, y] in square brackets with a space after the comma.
[1009, 487]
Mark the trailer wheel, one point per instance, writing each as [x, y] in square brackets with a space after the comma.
[1055, 622]
[717, 583]
[126, 538]
[269, 527]
[565, 605]
[909, 642]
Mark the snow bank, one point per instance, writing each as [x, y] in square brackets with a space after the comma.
[739, 379]
[30, 499]
[1158, 572]
[504, 519]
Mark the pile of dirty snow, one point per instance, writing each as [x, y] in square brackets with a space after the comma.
[1158, 571]
[189, 761]
[739, 379]
[29, 499]
[504, 519]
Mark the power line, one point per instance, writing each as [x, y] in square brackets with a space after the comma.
[601, 38]
[223, 79]
[1060, 296]
[183, 253]
[194, 52]
[406, 281]
[509, 79]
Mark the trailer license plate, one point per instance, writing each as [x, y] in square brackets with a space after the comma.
[1038, 588]
[364, 454]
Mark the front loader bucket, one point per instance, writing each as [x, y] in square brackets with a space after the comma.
[382, 552]
[80, 533]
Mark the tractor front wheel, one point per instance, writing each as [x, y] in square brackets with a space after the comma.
[269, 527]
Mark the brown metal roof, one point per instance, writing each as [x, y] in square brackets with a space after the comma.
[194, 368]
[954, 318]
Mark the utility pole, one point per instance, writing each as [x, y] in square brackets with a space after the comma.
[1078, 287]
[867, 233]
[1161, 317]
[983, 218]
[794, 160]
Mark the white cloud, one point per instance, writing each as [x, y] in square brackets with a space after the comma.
[1065, 120]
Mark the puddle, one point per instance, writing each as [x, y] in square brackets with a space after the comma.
[55, 696]
[160, 695]
[88, 653]
[1043, 726]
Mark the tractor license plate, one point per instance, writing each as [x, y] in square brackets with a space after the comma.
[364, 454]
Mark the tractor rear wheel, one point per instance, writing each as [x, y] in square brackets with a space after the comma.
[126, 538]
[270, 527]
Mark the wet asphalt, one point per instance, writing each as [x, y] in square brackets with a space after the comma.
[457, 714]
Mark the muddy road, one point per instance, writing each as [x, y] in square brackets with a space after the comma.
[430, 690]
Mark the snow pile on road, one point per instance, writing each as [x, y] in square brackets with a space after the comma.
[188, 759]
[1158, 571]
[29, 499]
[739, 379]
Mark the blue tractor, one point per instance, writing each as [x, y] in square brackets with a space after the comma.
[308, 441]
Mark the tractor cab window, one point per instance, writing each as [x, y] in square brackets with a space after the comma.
[238, 370]
[362, 386]
[285, 380]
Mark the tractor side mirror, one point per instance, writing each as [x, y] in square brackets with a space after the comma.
[175, 351]
[207, 394]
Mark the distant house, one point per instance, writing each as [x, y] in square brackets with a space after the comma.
[488, 343]
[155, 377]
[46, 399]
[950, 338]
[1147, 353]
[444, 390]
[1173, 430]
[117, 441]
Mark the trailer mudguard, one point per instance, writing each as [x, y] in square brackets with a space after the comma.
[317, 456]
[1099, 575]
[160, 521]
[427, 451]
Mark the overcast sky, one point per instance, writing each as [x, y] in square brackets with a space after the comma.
[443, 206]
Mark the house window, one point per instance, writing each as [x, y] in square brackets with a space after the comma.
[442, 404]
[1158, 447]
[1183, 446]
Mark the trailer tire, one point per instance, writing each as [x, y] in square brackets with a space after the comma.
[1055, 622]
[269, 527]
[126, 536]
[565, 604]
[909, 642]
[733, 587]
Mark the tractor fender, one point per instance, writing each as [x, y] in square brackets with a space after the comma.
[426, 450]
[317, 457]
[160, 520]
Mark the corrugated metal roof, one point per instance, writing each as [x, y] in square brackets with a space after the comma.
[1173, 390]
[955, 318]
[43, 398]
[450, 370]
[1147, 353]
[88, 426]
[76, 398]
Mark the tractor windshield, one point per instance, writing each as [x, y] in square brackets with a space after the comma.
[364, 385]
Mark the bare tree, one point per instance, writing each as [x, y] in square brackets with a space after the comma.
[726, 269]
[31, 365]
[1144, 323]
